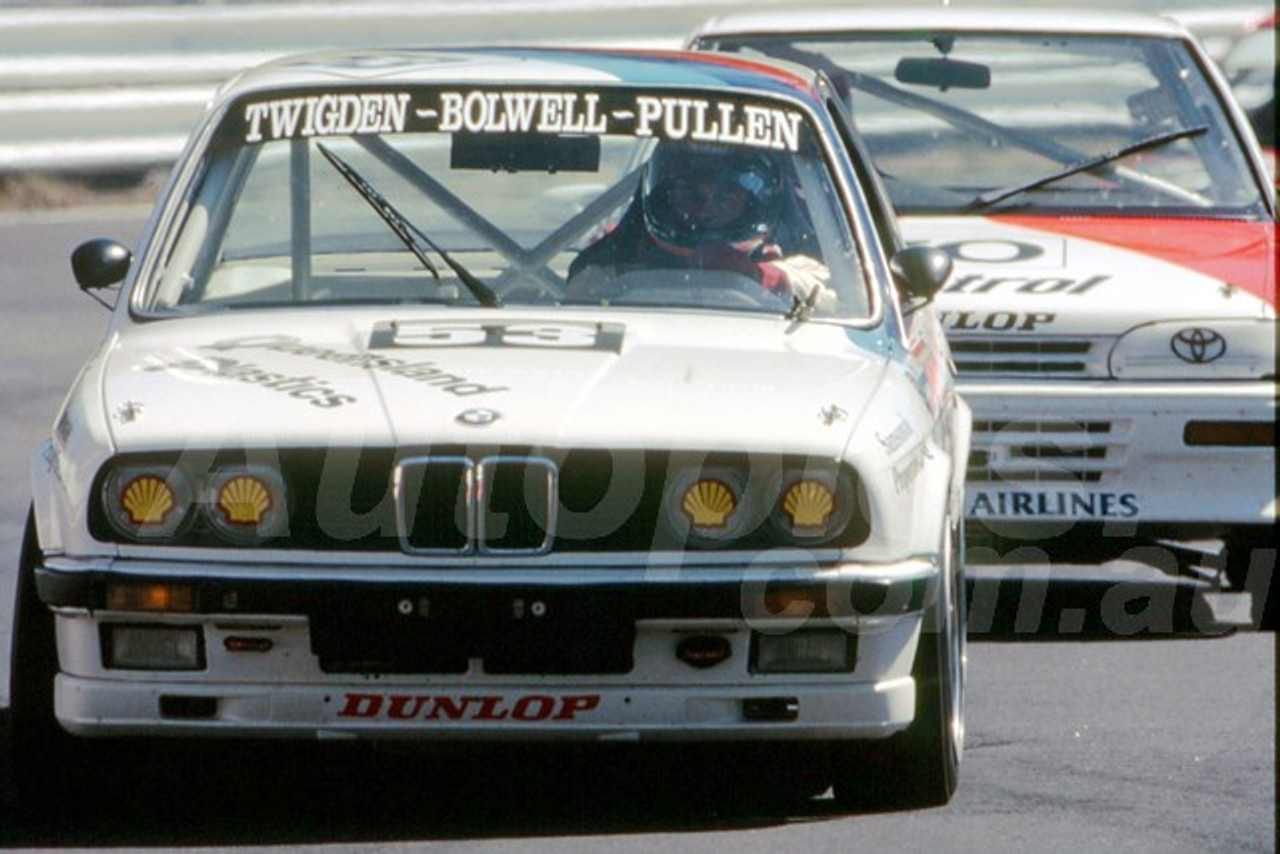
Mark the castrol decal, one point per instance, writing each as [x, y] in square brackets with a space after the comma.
[1241, 254]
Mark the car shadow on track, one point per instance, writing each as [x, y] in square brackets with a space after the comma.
[294, 794]
[1088, 605]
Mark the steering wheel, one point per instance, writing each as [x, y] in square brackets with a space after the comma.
[684, 287]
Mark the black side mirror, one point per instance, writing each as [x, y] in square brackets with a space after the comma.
[921, 271]
[100, 263]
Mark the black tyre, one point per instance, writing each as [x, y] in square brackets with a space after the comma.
[1251, 563]
[42, 756]
[919, 767]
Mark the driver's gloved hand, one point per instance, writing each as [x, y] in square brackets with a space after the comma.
[802, 276]
[787, 277]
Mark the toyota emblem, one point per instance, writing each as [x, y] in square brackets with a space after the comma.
[1197, 345]
[477, 417]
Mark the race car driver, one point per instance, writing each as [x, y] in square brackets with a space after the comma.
[702, 206]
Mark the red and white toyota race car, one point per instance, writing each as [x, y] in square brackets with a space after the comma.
[1113, 226]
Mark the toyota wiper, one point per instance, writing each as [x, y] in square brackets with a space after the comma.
[407, 231]
[992, 197]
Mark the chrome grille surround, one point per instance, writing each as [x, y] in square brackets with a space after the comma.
[496, 500]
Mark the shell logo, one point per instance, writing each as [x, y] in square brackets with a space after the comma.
[244, 500]
[708, 504]
[809, 504]
[147, 500]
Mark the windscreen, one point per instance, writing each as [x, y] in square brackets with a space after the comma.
[614, 197]
[965, 122]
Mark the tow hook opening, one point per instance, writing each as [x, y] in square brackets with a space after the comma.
[187, 708]
[771, 708]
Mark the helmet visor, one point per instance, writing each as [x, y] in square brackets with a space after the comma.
[700, 194]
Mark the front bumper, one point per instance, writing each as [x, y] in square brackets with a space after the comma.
[492, 655]
[581, 712]
[1049, 455]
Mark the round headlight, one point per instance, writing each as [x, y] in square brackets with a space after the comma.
[705, 507]
[247, 504]
[146, 502]
[812, 506]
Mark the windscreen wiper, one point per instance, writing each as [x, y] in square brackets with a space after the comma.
[992, 197]
[802, 309]
[407, 231]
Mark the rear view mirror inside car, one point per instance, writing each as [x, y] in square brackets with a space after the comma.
[525, 152]
[943, 73]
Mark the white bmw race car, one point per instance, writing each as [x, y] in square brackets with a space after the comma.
[509, 394]
[1113, 308]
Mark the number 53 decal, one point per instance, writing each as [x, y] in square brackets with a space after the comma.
[553, 334]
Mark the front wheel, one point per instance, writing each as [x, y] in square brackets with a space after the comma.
[1251, 563]
[38, 748]
[54, 777]
[920, 767]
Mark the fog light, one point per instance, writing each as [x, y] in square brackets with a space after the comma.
[809, 651]
[152, 647]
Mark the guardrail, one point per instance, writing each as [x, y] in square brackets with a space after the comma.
[109, 89]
